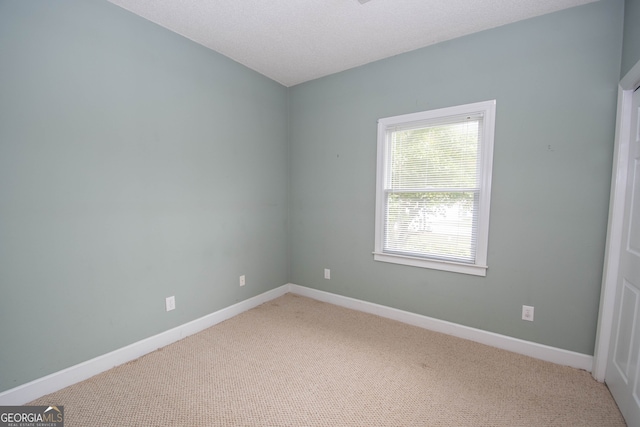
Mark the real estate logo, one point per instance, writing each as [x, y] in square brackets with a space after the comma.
[31, 416]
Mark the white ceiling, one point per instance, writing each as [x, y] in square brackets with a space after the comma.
[293, 41]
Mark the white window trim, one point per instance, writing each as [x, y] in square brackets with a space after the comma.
[479, 267]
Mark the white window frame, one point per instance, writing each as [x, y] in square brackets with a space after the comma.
[479, 266]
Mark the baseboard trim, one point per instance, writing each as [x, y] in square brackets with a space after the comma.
[82, 371]
[515, 345]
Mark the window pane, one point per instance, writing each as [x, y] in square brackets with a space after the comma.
[434, 224]
[444, 156]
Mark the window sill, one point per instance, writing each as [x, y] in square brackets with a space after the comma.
[473, 269]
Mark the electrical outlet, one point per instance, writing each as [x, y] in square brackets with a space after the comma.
[527, 313]
[327, 274]
[170, 303]
[243, 281]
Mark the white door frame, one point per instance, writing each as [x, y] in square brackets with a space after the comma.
[614, 228]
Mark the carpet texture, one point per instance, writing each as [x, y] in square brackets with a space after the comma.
[298, 362]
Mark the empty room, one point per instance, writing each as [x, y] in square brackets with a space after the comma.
[305, 212]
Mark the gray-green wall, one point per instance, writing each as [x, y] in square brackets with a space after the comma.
[134, 165]
[555, 79]
[631, 44]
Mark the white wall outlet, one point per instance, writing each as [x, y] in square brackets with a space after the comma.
[243, 280]
[170, 303]
[527, 313]
[327, 274]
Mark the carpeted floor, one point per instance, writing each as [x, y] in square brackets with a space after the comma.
[299, 362]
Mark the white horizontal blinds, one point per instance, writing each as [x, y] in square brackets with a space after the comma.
[432, 186]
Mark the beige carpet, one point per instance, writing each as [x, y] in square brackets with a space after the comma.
[298, 362]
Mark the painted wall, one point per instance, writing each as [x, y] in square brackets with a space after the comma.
[134, 165]
[631, 44]
[554, 78]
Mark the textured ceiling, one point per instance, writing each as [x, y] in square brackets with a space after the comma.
[293, 41]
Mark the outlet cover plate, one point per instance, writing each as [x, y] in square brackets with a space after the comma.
[170, 303]
[527, 313]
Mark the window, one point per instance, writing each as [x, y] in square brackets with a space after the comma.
[434, 187]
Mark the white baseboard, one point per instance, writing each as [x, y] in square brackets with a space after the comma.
[82, 371]
[515, 345]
